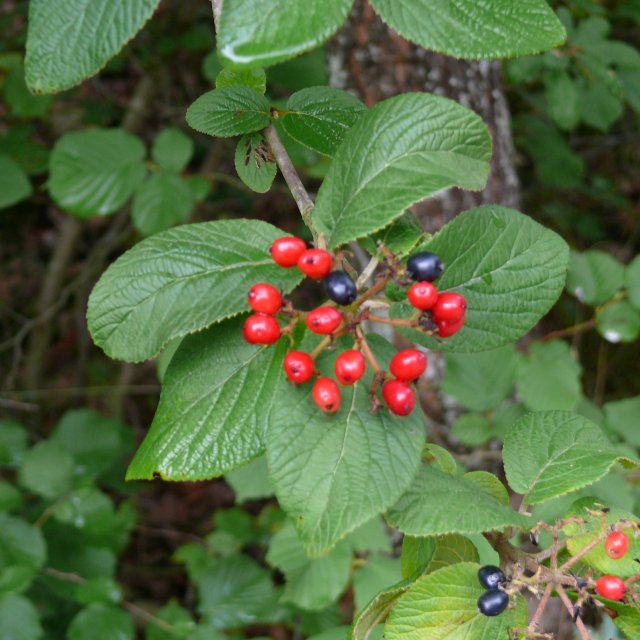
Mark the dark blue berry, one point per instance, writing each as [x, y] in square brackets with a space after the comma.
[490, 576]
[340, 287]
[424, 267]
[493, 602]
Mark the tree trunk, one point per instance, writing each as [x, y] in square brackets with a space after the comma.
[372, 61]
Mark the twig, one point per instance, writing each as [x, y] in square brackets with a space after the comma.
[569, 605]
[569, 331]
[583, 552]
[216, 5]
[367, 272]
[535, 620]
[298, 191]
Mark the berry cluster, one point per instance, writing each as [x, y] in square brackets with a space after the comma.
[494, 600]
[436, 313]
[616, 546]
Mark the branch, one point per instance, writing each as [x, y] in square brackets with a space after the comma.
[569, 605]
[216, 5]
[298, 191]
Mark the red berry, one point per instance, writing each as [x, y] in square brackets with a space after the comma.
[261, 329]
[617, 545]
[265, 298]
[315, 263]
[350, 367]
[447, 329]
[326, 394]
[286, 251]
[422, 295]
[449, 307]
[399, 396]
[324, 320]
[299, 366]
[408, 365]
[611, 587]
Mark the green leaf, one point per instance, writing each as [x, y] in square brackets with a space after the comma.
[19, 619]
[228, 112]
[319, 117]
[13, 443]
[481, 381]
[62, 50]
[401, 151]
[10, 496]
[469, 29]
[549, 377]
[370, 537]
[334, 472]
[100, 621]
[600, 106]
[214, 406]
[622, 418]
[619, 322]
[235, 592]
[161, 201]
[594, 276]
[375, 576]
[47, 469]
[632, 281]
[101, 589]
[563, 99]
[311, 583]
[437, 503]
[579, 535]
[180, 620]
[95, 172]
[627, 620]
[250, 38]
[14, 184]
[197, 275]
[21, 544]
[251, 481]
[509, 268]
[443, 605]
[254, 163]
[172, 149]
[472, 429]
[87, 509]
[94, 440]
[377, 610]
[428, 554]
[550, 453]
[253, 78]
[400, 237]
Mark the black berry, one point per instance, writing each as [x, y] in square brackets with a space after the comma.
[490, 576]
[340, 287]
[424, 267]
[493, 602]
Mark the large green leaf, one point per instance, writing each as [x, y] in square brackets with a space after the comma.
[472, 29]
[422, 555]
[375, 576]
[47, 469]
[253, 34]
[509, 268]
[311, 583]
[213, 410]
[403, 150]
[622, 418]
[19, 618]
[95, 172]
[251, 481]
[335, 472]
[443, 606]
[481, 381]
[319, 117]
[549, 377]
[68, 42]
[594, 276]
[101, 622]
[438, 503]
[161, 201]
[22, 553]
[172, 149]
[229, 111]
[550, 453]
[180, 281]
[619, 322]
[14, 184]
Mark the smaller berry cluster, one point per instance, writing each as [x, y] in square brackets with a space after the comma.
[447, 308]
[616, 546]
[494, 600]
[441, 313]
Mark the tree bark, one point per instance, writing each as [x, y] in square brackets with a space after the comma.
[372, 61]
